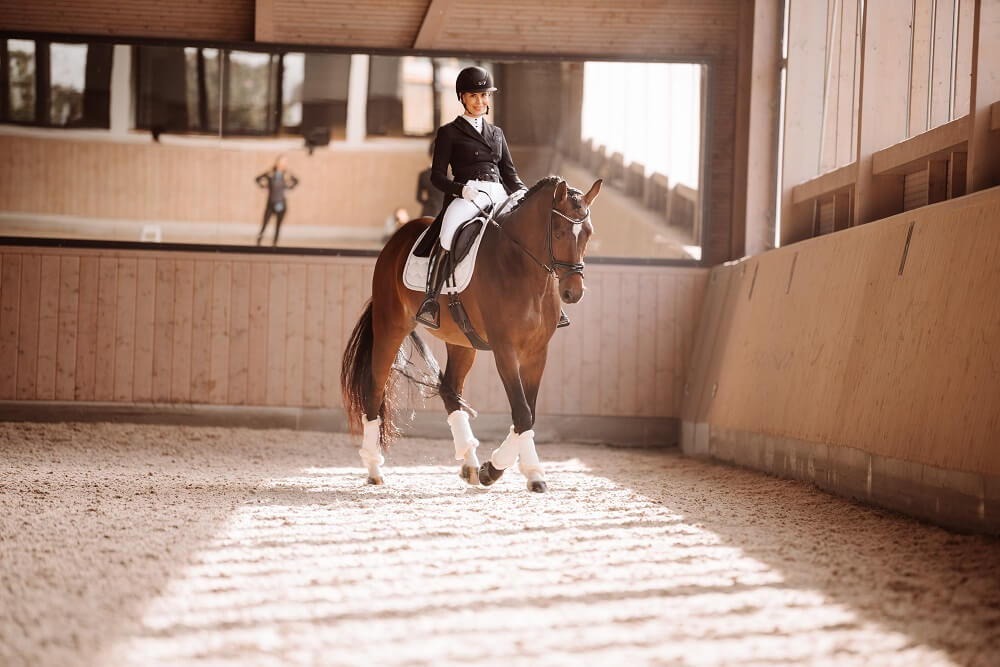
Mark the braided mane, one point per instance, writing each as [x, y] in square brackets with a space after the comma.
[548, 180]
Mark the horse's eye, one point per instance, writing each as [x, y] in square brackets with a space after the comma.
[558, 234]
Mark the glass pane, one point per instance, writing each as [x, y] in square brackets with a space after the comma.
[22, 79]
[293, 76]
[68, 80]
[202, 89]
[324, 96]
[251, 94]
[418, 96]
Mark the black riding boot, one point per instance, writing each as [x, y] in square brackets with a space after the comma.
[429, 313]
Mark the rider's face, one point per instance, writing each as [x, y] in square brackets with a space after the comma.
[476, 103]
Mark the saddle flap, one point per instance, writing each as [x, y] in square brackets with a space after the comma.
[464, 239]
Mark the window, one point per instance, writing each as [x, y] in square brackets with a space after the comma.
[240, 93]
[55, 84]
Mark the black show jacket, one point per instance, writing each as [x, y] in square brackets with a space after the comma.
[472, 156]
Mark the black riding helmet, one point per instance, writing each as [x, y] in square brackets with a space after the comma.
[473, 80]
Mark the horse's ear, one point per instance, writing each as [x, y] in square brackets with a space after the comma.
[595, 189]
[560, 194]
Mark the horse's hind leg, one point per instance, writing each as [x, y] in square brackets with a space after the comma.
[460, 361]
[388, 335]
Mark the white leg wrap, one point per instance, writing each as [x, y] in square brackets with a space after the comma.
[370, 451]
[506, 454]
[528, 462]
[461, 433]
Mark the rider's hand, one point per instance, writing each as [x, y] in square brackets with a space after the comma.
[469, 193]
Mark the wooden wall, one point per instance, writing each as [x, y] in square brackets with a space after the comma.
[881, 338]
[172, 327]
[183, 19]
[210, 182]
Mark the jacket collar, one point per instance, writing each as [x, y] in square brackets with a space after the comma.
[465, 126]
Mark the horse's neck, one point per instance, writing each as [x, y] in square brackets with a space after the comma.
[527, 225]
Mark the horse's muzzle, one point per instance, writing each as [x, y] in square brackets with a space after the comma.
[571, 288]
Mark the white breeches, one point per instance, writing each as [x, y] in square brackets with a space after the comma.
[460, 210]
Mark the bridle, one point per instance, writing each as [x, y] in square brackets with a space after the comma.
[554, 265]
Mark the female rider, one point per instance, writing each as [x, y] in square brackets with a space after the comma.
[483, 174]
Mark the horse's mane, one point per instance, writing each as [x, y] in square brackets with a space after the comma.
[548, 180]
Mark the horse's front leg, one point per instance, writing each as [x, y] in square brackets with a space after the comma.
[460, 361]
[520, 441]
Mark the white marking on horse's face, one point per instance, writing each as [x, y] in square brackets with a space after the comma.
[576, 232]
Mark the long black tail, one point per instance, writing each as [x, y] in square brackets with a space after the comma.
[356, 378]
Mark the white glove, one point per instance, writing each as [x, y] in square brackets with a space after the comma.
[469, 193]
[519, 194]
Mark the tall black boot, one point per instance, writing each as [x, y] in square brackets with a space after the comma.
[429, 313]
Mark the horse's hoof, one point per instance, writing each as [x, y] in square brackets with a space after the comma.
[538, 486]
[488, 474]
[375, 481]
[470, 474]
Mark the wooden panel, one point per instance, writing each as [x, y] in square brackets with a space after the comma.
[260, 281]
[313, 338]
[647, 334]
[69, 305]
[295, 334]
[593, 343]
[277, 325]
[48, 328]
[901, 355]
[107, 297]
[666, 326]
[335, 330]
[220, 325]
[145, 313]
[201, 332]
[610, 355]
[124, 349]
[10, 314]
[847, 85]
[180, 365]
[182, 19]
[86, 339]
[628, 345]
[915, 190]
[239, 334]
[941, 72]
[163, 331]
[920, 66]
[963, 58]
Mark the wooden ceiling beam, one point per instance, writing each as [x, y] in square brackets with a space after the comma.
[430, 27]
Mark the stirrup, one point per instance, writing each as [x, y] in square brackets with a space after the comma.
[430, 313]
[563, 319]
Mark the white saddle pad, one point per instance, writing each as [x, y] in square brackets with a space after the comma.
[415, 271]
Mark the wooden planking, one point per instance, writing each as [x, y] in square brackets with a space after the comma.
[66, 346]
[609, 323]
[163, 331]
[336, 328]
[313, 337]
[86, 339]
[239, 334]
[201, 332]
[628, 345]
[941, 68]
[295, 316]
[276, 329]
[104, 358]
[897, 365]
[10, 314]
[260, 279]
[231, 317]
[145, 315]
[218, 391]
[124, 340]
[48, 325]
[180, 358]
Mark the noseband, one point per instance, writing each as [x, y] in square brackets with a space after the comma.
[569, 268]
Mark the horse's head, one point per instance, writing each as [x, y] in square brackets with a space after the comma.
[570, 228]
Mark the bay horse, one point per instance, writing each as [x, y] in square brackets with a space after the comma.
[528, 261]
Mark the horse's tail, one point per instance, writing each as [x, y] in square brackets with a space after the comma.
[356, 378]
[356, 371]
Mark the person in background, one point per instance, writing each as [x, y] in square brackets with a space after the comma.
[277, 180]
[398, 218]
[431, 198]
